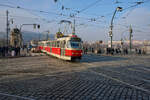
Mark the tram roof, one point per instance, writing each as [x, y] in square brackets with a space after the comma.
[68, 37]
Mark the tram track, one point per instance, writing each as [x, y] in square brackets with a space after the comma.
[125, 83]
[124, 78]
[129, 74]
[14, 97]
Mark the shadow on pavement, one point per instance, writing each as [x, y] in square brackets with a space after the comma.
[99, 58]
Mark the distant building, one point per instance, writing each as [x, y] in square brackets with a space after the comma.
[16, 39]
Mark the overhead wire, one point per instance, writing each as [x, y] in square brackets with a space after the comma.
[60, 14]
[137, 3]
[133, 7]
[30, 11]
[34, 10]
[89, 6]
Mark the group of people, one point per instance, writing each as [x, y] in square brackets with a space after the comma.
[140, 51]
[113, 51]
[9, 51]
[3, 51]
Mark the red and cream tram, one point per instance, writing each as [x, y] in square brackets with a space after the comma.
[66, 47]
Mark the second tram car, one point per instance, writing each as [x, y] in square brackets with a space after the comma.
[66, 47]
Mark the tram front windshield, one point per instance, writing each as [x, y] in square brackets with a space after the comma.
[72, 44]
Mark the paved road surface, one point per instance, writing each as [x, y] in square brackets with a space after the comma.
[93, 78]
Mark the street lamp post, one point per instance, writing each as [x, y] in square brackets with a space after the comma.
[7, 29]
[131, 31]
[8, 26]
[111, 26]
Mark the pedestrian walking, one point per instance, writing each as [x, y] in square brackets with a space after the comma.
[140, 51]
[16, 51]
[13, 52]
[0, 51]
[3, 51]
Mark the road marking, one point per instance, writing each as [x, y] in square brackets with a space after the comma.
[133, 77]
[133, 86]
[144, 69]
[9, 95]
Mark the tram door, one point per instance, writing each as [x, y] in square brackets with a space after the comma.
[63, 44]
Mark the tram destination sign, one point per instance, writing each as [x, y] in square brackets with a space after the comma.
[76, 39]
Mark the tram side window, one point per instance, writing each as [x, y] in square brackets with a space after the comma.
[50, 44]
[58, 43]
[53, 44]
[68, 44]
[61, 44]
[64, 43]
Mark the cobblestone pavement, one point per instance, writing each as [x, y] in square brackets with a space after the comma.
[93, 78]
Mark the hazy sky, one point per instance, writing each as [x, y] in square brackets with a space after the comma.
[92, 23]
